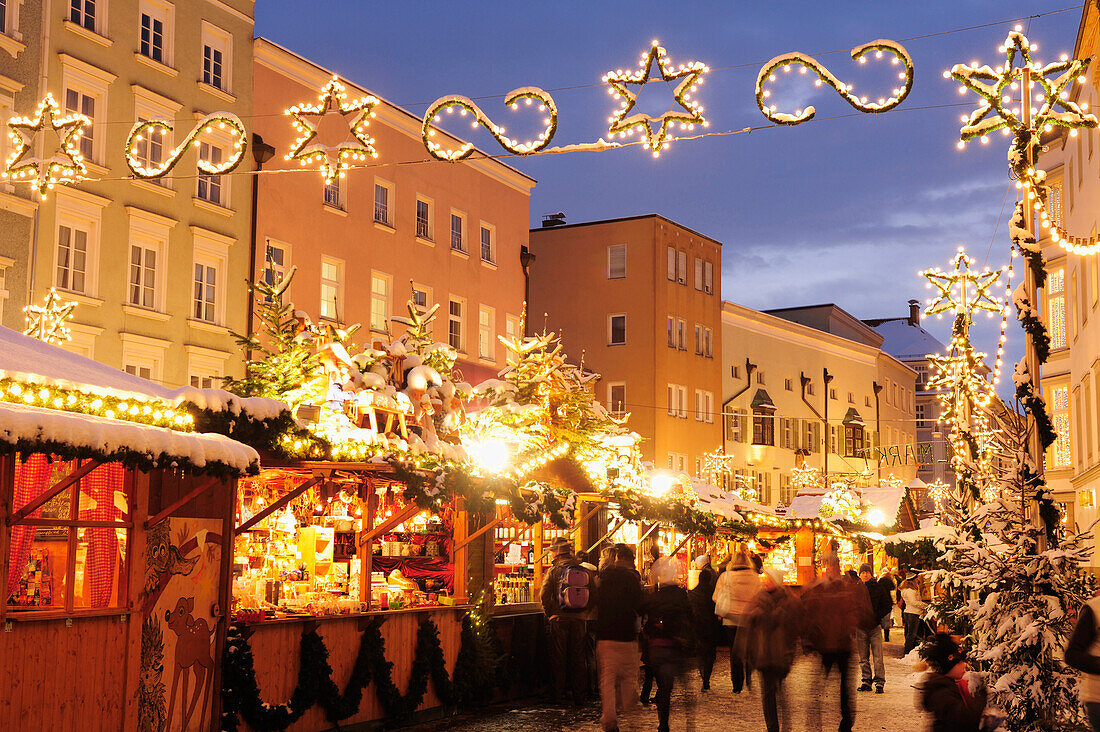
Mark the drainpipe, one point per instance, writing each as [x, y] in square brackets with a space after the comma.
[828, 379]
[749, 369]
[261, 153]
[526, 257]
[877, 388]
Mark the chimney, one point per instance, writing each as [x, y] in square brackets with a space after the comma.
[914, 312]
[551, 220]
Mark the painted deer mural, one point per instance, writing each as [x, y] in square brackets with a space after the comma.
[192, 657]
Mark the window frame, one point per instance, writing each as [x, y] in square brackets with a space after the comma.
[388, 187]
[681, 267]
[612, 249]
[280, 269]
[486, 333]
[763, 426]
[337, 284]
[611, 317]
[459, 320]
[211, 182]
[427, 232]
[212, 250]
[338, 185]
[463, 234]
[94, 83]
[384, 299]
[671, 257]
[165, 13]
[611, 387]
[221, 40]
[483, 228]
[150, 231]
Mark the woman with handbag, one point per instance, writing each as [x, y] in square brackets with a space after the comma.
[736, 587]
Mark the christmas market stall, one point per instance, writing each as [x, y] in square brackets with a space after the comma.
[115, 543]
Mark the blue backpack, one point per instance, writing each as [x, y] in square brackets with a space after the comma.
[573, 590]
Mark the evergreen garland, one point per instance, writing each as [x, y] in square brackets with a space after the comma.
[480, 658]
[241, 694]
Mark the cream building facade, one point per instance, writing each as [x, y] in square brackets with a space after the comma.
[811, 386]
[157, 267]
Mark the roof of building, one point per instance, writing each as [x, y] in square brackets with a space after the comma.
[905, 341]
[628, 218]
[830, 318]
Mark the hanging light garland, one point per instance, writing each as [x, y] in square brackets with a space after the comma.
[333, 160]
[64, 164]
[448, 104]
[862, 103]
[217, 122]
[47, 322]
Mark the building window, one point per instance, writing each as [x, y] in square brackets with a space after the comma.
[331, 288]
[1061, 453]
[511, 327]
[786, 489]
[681, 334]
[210, 186]
[922, 416]
[832, 393]
[458, 232]
[735, 422]
[143, 276]
[206, 283]
[149, 151]
[152, 37]
[380, 302]
[708, 277]
[811, 437]
[851, 397]
[488, 244]
[1056, 306]
[853, 440]
[760, 376]
[616, 399]
[616, 261]
[424, 219]
[788, 437]
[333, 195]
[866, 401]
[681, 267]
[216, 57]
[212, 66]
[81, 12]
[698, 274]
[672, 264]
[616, 329]
[485, 317]
[763, 426]
[420, 298]
[704, 406]
[276, 261]
[72, 259]
[698, 340]
[735, 372]
[383, 192]
[672, 332]
[77, 102]
[787, 385]
[708, 343]
[677, 400]
[454, 324]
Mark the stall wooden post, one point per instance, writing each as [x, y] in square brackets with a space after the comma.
[225, 597]
[537, 531]
[804, 555]
[139, 513]
[461, 553]
[366, 548]
[7, 488]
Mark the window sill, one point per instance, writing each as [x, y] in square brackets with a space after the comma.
[207, 326]
[383, 226]
[91, 35]
[154, 64]
[219, 93]
[460, 253]
[488, 265]
[30, 616]
[11, 45]
[96, 168]
[334, 209]
[617, 344]
[146, 313]
[81, 298]
[212, 207]
[425, 242]
[156, 188]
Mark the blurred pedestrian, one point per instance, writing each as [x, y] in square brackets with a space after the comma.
[568, 598]
[869, 642]
[768, 640]
[890, 586]
[1083, 654]
[835, 606]
[707, 625]
[732, 593]
[668, 629]
[956, 699]
[913, 610]
[618, 610]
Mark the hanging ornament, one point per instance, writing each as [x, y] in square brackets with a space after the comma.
[218, 122]
[46, 322]
[787, 60]
[528, 94]
[691, 113]
[334, 160]
[63, 162]
[963, 290]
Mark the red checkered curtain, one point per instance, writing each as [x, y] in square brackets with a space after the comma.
[31, 478]
[101, 485]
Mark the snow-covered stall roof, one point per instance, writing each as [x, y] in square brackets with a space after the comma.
[936, 534]
[137, 445]
[885, 498]
[805, 506]
[715, 500]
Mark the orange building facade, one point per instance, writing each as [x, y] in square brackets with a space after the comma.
[404, 227]
[640, 298]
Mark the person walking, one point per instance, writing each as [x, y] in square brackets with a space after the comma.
[869, 642]
[835, 606]
[955, 698]
[732, 593]
[889, 585]
[668, 630]
[568, 594]
[912, 612]
[1083, 654]
[768, 640]
[618, 608]
[707, 625]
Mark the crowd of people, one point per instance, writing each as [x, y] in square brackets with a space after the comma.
[609, 626]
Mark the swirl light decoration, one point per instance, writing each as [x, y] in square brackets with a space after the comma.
[211, 123]
[824, 76]
[690, 113]
[465, 105]
[65, 164]
[336, 159]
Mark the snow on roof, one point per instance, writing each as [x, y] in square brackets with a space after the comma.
[25, 426]
[30, 360]
[905, 341]
[219, 400]
[936, 534]
[712, 498]
[803, 506]
[885, 498]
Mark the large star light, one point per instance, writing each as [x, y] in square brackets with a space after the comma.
[62, 163]
[964, 290]
[690, 113]
[335, 159]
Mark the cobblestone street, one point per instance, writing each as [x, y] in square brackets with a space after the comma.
[719, 710]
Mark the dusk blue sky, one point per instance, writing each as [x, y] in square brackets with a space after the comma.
[842, 210]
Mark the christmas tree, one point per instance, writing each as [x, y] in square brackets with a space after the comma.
[287, 347]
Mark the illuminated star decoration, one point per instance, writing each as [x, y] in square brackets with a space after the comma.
[333, 160]
[691, 75]
[989, 84]
[963, 290]
[64, 164]
[46, 322]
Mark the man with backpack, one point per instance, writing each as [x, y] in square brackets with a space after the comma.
[568, 595]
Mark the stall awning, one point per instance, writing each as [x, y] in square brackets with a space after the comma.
[761, 400]
[852, 417]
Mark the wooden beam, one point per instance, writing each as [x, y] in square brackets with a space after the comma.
[645, 536]
[398, 518]
[576, 527]
[609, 533]
[460, 556]
[61, 485]
[282, 502]
[680, 546]
[191, 495]
[477, 533]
